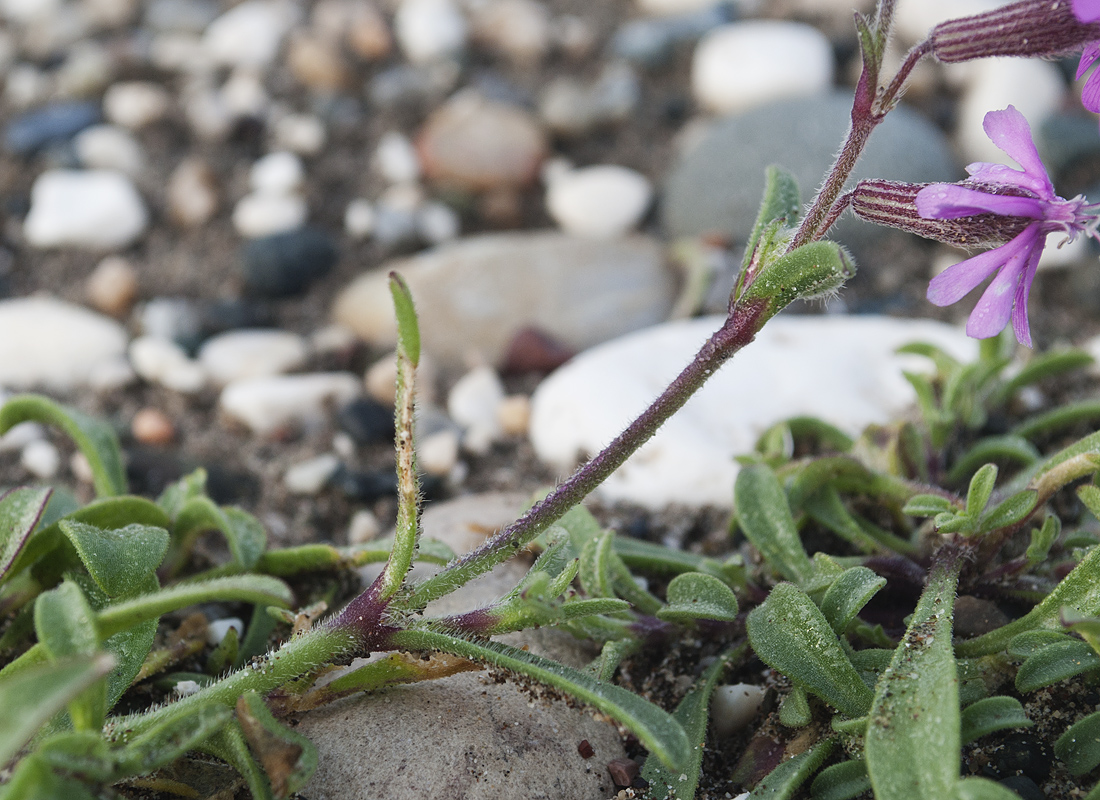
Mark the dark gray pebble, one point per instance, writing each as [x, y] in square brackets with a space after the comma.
[285, 264]
[57, 122]
[367, 421]
[649, 42]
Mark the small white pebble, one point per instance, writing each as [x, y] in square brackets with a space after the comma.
[81, 469]
[343, 445]
[396, 159]
[437, 223]
[359, 218]
[473, 404]
[281, 172]
[301, 133]
[135, 104]
[1032, 398]
[437, 454]
[733, 707]
[41, 459]
[185, 688]
[364, 527]
[310, 477]
[20, 435]
[217, 629]
[262, 214]
[332, 339]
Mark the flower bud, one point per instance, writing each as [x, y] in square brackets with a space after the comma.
[893, 204]
[1042, 28]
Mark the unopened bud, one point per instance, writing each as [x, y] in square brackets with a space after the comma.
[1035, 28]
[893, 204]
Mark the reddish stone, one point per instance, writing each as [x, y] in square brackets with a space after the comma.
[531, 350]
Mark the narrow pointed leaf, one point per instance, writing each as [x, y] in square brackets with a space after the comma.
[928, 505]
[765, 518]
[795, 710]
[693, 595]
[1054, 663]
[811, 270]
[843, 781]
[20, 510]
[289, 758]
[848, 595]
[977, 788]
[981, 487]
[784, 781]
[994, 448]
[1010, 511]
[991, 715]
[595, 565]
[1079, 746]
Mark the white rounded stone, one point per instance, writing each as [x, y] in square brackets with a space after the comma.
[733, 706]
[135, 104]
[437, 222]
[429, 30]
[281, 172]
[217, 630]
[1033, 86]
[46, 342]
[364, 527]
[41, 459]
[109, 147]
[396, 159]
[602, 202]
[251, 354]
[746, 64]
[839, 368]
[309, 477]
[437, 454]
[473, 402]
[164, 362]
[93, 209]
[29, 11]
[519, 29]
[359, 218]
[267, 404]
[250, 33]
[244, 95]
[263, 213]
[81, 468]
[20, 435]
[300, 133]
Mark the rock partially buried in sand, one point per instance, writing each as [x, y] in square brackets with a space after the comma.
[475, 294]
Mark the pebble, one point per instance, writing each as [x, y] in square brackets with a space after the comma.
[87, 69]
[180, 16]
[430, 30]
[251, 354]
[41, 459]
[217, 629]
[47, 342]
[21, 434]
[746, 64]
[285, 264]
[367, 421]
[250, 33]
[267, 213]
[975, 616]
[109, 147]
[437, 453]
[309, 477]
[572, 108]
[715, 189]
[318, 64]
[380, 379]
[913, 19]
[135, 104]
[281, 172]
[192, 193]
[1035, 87]
[112, 286]
[396, 159]
[650, 42]
[304, 134]
[91, 209]
[733, 706]
[841, 369]
[532, 350]
[359, 218]
[437, 223]
[514, 414]
[602, 201]
[164, 362]
[368, 35]
[172, 318]
[152, 426]
[366, 487]
[34, 130]
[364, 527]
[517, 29]
[491, 286]
[81, 468]
[473, 403]
[667, 7]
[267, 404]
[476, 144]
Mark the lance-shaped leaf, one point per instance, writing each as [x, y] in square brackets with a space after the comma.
[991, 715]
[655, 728]
[119, 561]
[795, 711]
[783, 781]
[288, 758]
[778, 213]
[66, 628]
[848, 594]
[693, 595]
[661, 560]
[20, 510]
[1055, 662]
[31, 698]
[230, 746]
[765, 518]
[243, 532]
[912, 742]
[790, 634]
[1079, 746]
[96, 439]
[843, 781]
[994, 448]
[1058, 419]
[595, 565]
[976, 788]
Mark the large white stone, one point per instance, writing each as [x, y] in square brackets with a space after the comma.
[45, 342]
[601, 201]
[93, 209]
[746, 64]
[251, 354]
[269, 403]
[841, 369]
[249, 34]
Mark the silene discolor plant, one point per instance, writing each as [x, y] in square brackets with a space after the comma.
[880, 692]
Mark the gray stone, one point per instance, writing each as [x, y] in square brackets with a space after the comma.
[474, 294]
[717, 187]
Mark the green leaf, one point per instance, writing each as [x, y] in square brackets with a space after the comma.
[812, 270]
[1029, 643]
[175, 495]
[66, 628]
[244, 533]
[84, 753]
[991, 715]
[289, 758]
[981, 488]
[1079, 746]
[994, 448]
[1042, 539]
[976, 788]
[32, 697]
[783, 781]
[1058, 419]
[656, 729]
[408, 328]
[765, 518]
[229, 745]
[912, 742]
[843, 781]
[1055, 663]
[20, 510]
[781, 204]
[655, 558]
[691, 713]
[1043, 366]
[827, 508]
[1010, 511]
[848, 595]
[96, 439]
[693, 595]
[1089, 494]
[595, 565]
[120, 561]
[790, 634]
[34, 780]
[794, 711]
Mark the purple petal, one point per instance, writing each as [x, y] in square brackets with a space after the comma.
[1090, 92]
[1087, 10]
[951, 201]
[1020, 324]
[1088, 56]
[994, 309]
[955, 282]
[1008, 129]
[1004, 175]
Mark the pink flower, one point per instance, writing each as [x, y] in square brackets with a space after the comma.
[1002, 190]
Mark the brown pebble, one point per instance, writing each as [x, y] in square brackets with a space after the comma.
[368, 36]
[317, 65]
[623, 771]
[585, 749]
[112, 286]
[192, 193]
[531, 350]
[152, 426]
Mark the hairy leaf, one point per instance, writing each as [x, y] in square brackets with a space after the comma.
[783, 781]
[848, 595]
[693, 595]
[1055, 663]
[288, 758]
[1079, 746]
[765, 518]
[20, 510]
[991, 715]
[843, 781]
[120, 561]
